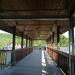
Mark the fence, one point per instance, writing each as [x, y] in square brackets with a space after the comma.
[6, 56]
[62, 59]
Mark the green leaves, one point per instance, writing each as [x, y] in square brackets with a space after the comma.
[39, 43]
[64, 41]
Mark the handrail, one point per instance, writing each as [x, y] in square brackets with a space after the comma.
[5, 50]
[61, 58]
[6, 56]
[64, 54]
[60, 52]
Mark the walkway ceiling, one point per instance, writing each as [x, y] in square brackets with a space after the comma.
[36, 18]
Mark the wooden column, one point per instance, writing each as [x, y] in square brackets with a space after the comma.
[71, 46]
[13, 47]
[14, 38]
[22, 40]
[58, 38]
[53, 39]
[50, 39]
[49, 43]
[58, 46]
[26, 41]
[31, 42]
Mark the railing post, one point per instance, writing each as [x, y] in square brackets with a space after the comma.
[13, 47]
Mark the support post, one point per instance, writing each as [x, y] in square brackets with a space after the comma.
[58, 38]
[49, 43]
[22, 40]
[26, 41]
[31, 43]
[53, 40]
[71, 46]
[58, 45]
[13, 47]
[14, 36]
[50, 39]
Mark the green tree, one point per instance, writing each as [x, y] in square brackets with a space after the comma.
[64, 41]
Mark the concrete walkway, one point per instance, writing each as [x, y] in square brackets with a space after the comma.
[37, 63]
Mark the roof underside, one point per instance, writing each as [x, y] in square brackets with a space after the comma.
[35, 18]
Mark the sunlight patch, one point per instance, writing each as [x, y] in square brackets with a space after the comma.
[43, 64]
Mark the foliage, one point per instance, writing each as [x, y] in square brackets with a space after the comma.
[39, 43]
[18, 40]
[64, 41]
[6, 39]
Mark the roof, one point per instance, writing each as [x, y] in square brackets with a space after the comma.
[36, 18]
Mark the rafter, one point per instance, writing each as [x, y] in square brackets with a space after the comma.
[34, 17]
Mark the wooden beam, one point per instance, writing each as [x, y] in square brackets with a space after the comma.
[35, 17]
[30, 10]
[6, 28]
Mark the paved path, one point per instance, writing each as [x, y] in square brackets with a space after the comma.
[37, 63]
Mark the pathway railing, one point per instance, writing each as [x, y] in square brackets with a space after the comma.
[62, 59]
[6, 56]
[21, 53]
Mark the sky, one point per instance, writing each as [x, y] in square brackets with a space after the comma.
[66, 34]
[4, 32]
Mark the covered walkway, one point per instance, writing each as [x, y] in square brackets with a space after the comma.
[38, 20]
[37, 63]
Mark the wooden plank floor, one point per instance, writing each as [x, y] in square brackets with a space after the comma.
[37, 63]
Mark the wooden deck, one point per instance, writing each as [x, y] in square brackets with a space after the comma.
[37, 63]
